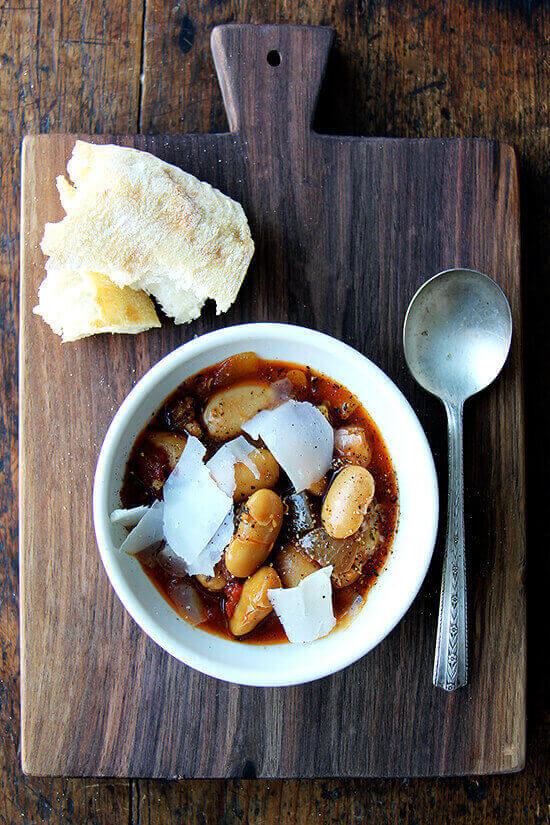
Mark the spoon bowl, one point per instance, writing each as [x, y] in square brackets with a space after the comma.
[457, 333]
[456, 338]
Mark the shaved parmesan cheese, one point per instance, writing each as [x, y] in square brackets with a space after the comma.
[194, 505]
[129, 518]
[305, 611]
[222, 463]
[147, 532]
[205, 562]
[300, 439]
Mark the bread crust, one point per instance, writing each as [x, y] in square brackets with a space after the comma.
[80, 303]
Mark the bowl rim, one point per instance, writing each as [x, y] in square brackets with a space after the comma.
[145, 386]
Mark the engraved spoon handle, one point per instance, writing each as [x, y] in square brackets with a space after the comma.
[451, 655]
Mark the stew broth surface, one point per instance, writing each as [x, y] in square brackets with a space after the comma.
[147, 468]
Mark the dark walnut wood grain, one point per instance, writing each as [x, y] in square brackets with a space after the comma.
[63, 66]
[346, 229]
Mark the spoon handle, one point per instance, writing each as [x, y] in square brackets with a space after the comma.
[451, 655]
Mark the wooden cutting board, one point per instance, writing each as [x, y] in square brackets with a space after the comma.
[346, 229]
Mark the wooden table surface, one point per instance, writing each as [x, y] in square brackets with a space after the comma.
[468, 67]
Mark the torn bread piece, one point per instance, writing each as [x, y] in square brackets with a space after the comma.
[77, 303]
[149, 225]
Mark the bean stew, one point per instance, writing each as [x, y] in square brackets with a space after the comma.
[345, 519]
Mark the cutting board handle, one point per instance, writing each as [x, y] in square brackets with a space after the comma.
[270, 75]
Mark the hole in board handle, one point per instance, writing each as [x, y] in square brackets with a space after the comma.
[274, 58]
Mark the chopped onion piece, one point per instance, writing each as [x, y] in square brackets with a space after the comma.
[170, 562]
[305, 611]
[188, 601]
[194, 505]
[205, 562]
[147, 532]
[222, 463]
[130, 517]
[300, 439]
[347, 556]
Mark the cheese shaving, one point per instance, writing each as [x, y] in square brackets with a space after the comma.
[305, 611]
[222, 464]
[130, 517]
[300, 439]
[194, 505]
[205, 562]
[147, 532]
[207, 559]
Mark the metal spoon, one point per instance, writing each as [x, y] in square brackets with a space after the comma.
[456, 335]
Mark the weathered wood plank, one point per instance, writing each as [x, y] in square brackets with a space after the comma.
[180, 89]
[62, 66]
[514, 799]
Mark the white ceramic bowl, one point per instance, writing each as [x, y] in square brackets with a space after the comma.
[396, 587]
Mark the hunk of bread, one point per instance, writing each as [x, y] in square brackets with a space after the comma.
[80, 303]
[148, 225]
